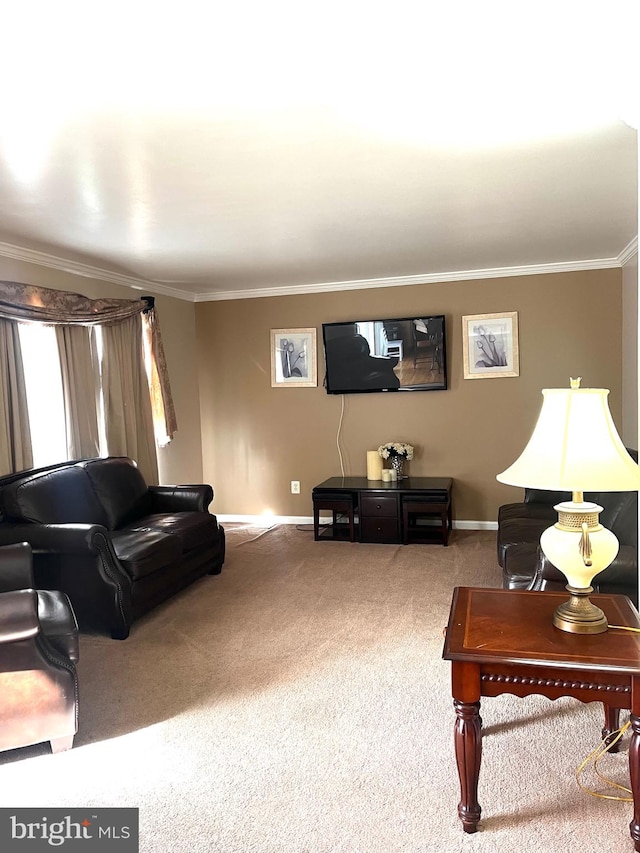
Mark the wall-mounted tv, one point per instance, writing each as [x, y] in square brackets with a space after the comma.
[406, 354]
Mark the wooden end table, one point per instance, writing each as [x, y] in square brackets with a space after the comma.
[504, 641]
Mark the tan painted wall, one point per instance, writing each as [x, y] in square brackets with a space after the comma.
[256, 438]
[181, 461]
[630, 352]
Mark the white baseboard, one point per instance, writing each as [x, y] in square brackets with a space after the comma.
[270, 520]
[264, 520]
[475, 525]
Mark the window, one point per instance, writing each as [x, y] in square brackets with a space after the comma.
[45, 396]
[44, 393]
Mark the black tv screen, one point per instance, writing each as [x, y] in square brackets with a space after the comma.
[406, 354]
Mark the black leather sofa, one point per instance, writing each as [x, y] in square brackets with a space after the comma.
[114, 545]
[520, 525]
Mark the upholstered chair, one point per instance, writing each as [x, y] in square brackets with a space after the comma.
[38, 653]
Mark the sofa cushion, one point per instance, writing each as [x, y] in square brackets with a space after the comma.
[143, 552]
[120, 489]
[194, 529]
[54, 497]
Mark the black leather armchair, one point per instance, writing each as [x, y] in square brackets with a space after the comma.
[38, 653]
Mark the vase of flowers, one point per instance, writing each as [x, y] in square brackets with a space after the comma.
[397, 452]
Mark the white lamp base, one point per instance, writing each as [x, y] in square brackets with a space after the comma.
[581, 548]
[579, 615]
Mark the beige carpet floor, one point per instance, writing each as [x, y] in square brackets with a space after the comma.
[298, 703]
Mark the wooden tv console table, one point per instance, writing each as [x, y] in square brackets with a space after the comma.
[386, 512]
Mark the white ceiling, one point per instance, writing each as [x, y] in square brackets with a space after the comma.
[272, 148]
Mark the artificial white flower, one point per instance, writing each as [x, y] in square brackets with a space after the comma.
[395, 448]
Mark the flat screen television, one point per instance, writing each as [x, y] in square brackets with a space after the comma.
[406, 354]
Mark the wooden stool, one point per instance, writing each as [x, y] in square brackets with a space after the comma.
[412, 506]
[337, 503]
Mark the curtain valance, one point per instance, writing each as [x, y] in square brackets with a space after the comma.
[24, 302]
[31, 303]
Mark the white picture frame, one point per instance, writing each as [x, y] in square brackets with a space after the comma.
[294, 358]
[490, 345]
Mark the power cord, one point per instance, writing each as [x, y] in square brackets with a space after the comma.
[259, 536]
[603, 747]
[338, 436]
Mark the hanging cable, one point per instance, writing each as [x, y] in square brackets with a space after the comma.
[338, 436]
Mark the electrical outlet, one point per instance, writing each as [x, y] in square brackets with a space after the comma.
[295, 487]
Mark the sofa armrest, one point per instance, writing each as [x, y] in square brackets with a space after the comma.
[80, 560]
[16, 567]
[58, 538]
[187, 498]
[18, 615]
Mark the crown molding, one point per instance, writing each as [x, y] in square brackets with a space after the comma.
[56, 262]
[401, 281]
[89, 271]
[629, 252]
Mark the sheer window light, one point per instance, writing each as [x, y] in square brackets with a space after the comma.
[44, 393]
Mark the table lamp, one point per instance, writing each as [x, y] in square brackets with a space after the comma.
[575, 447]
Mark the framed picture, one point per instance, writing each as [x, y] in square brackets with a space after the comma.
[293, 358]
[490, 345]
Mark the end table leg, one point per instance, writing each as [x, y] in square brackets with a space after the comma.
[634, 772]
[468, 744]
[611, 725]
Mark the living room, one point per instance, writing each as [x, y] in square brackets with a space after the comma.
[298, 702]
[250, 440]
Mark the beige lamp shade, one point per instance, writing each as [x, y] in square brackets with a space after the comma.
[574, 447]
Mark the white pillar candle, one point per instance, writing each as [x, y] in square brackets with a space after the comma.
[386, 475]
[394, 475]
[374, 465]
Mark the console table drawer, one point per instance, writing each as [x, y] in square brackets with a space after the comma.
[379, 529]
[378, 505]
